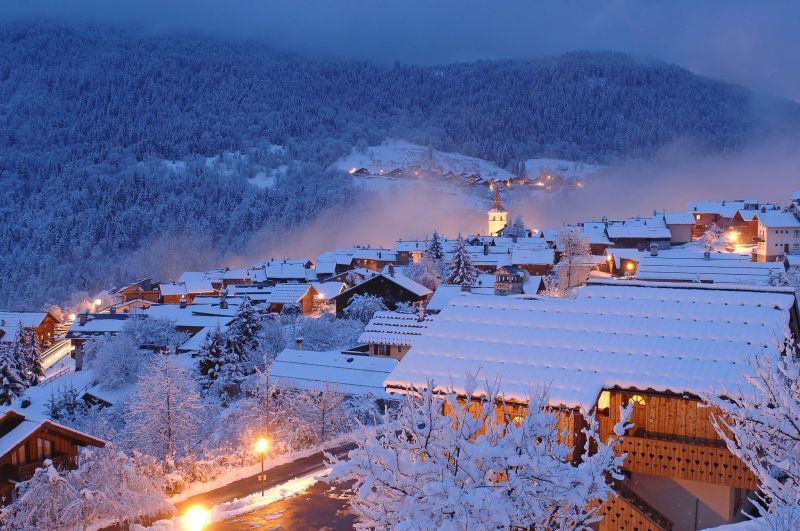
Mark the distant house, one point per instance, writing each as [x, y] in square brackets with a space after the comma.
[374, 259]
[143, 289]
[393, 288]
[595, 234]
[391, 334]
[639, 233]
[721, 213]
[42, 323]
[778, 235]
[410, 251]
[509, 280]
[712, 268]
[325, 292]
[177, 292]
[352, 375]
[332, 263]
[26, 442]
[241, 275]
[285, 270]
[680, 225]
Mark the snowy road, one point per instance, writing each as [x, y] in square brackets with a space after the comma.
[275, 477]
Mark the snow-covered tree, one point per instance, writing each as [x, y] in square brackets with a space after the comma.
[363, 307]
[465, 470]
[164, 412]
[328, 332]
[211, 357]
[65, 405]
[424, 272]
[460, 270]
[516, 229]
[435, 247]
[552, 289]
[573, 248]
[790, 277]
[29, 350]
[243, 332]
[326, 411]
[711, 237]
[760, 423]
[13, 380]
[107, 488]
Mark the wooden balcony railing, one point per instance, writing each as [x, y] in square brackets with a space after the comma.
[25, 471]
[629, 511]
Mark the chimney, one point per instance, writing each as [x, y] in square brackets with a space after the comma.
[514, 238]
[380, 255]
[391, 270]
[112, 310]
[485, 248]
[653, 249]
[763, 210]
[223, 300]
[299, 343]
[183, 302]
[83, 317]
[706, 255]
[466, 288]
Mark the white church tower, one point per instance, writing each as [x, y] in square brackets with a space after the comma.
[498, 217]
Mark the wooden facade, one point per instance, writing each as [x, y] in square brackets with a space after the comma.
[38, 441]
[142, 289]
[379, 286]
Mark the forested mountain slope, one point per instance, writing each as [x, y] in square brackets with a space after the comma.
[87, 118]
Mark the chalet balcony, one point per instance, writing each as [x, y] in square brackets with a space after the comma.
[24, 472]
[683, 458]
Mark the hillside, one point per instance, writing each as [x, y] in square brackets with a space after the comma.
[89, 117]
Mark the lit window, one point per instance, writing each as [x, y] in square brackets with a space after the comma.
[638, 400]
[604, 400]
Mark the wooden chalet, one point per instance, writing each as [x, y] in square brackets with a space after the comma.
[25, 443]
[509, 280]
[43, 325]
[656, 346]
[143, 289]
[392, 287]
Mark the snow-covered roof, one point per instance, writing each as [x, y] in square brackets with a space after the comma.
[375, 254]
[98, 324]
[285, 269]
[329, 290]
[410, 245]
[594, 232]
[188, 316]
[28, 426]
[394, 328]
[719, 268]
[622, 253]
[665, 337]
[532, 285]
[773, 218]
[796, 196]
[441, 297]
[678, 218]
[652, 228]
[172, 289]
[725, 208]
[354, 375]
[286, 293]
[533, 257]
[793, 259]
[236, 274]
[401, 280]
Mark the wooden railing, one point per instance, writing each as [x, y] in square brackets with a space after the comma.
[25, 471]
[629, 511]
[695, 460]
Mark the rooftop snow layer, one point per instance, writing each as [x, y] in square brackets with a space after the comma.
[394, 328]
[664, 337]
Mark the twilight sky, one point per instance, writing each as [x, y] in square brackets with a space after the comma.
[755, 43]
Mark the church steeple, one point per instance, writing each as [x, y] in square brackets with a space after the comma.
[498, 217]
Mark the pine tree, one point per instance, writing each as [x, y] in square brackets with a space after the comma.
[13, 382]
[435, 249]
[460, 270]
[211, 357]
[30, 352]
[242, 336]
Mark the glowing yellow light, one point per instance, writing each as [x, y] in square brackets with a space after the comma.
[609, 257]
[639, 400]
[71, 317]
[196, 519]
[697, 217]
[733, 236]
[262, 445]
[629, 266]
[98, 302]
[319, 296]
[352, 170]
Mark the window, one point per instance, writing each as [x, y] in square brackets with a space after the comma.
[382, 350]
[638, 400]
[796, 247]
[18, 457]
[797, 233]
[44, 449]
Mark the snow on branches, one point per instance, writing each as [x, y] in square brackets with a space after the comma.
[459, 270]
[465, 470]
[363, 307]
[573, 248]
[761, 426]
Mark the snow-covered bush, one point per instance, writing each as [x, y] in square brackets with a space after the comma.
[465, 470]
[328, 333]
[424, 272]
[710, 238]
[363, 307]
[516, 229]
[761, 426]
[107, 488]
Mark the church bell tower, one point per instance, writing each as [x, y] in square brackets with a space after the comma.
[498, 217]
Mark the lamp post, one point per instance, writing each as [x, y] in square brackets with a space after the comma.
[262, 445]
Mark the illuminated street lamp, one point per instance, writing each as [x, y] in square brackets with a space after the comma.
[262, 445]
[196, 519]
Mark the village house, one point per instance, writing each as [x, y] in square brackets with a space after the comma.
[142, 289]
[639, 233]
[284, 270]
[393, 287]
[352, 375]
[410, 251]
[177, 292]
[595, 233]
[678, 265]
[43, 325]
[332, 263]
[680, 226]
[26, 442]
[778, 235]
[509, 280]
[657, 346]
[391, 334]
[240, 275]
[721, 213]
[374, 259]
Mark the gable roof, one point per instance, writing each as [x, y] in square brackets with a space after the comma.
[665, 337]
[678, 218]
[394, 328]
[22, 427]
[719, 268]
[398, 279]
[773, 218]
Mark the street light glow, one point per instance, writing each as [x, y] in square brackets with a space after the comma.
[262, 445]
[196, 518]
[98, 302]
